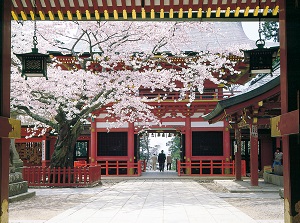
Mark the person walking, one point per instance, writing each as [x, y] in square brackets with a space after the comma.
[161, 161]
[169, 161]
[154, 161]
[277, 157]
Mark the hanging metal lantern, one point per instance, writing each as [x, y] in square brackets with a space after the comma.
[34, 64]
[260, 59]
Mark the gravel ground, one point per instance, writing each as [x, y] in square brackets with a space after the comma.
[259, 206]
[265, 207]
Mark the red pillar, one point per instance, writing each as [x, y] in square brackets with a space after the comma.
[5, 35]
[93, 148]
[226, 147]
[131, 142]
[237, 154]
[188, 139]
[226, 143]
[254, 154]
[289, 18]
[278, 142]
[266, 152]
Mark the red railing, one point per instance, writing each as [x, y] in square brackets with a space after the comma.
[209, 168]
[62, 177]
[120, 168]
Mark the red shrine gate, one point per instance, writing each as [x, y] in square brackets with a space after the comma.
[199, 140]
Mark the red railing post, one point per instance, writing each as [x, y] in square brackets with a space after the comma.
[201, 167]
[44, 175]
[179, 167]
[139, 168]
[233, 167]
[117, 171]
[106, 166]
[85, 175]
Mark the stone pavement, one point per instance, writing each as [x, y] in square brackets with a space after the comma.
[182, 201]
[155, 197]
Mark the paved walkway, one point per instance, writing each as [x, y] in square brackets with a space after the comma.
[182, 201]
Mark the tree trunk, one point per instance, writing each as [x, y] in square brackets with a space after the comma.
[63, 155]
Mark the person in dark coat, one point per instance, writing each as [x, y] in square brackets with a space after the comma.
[161, 161]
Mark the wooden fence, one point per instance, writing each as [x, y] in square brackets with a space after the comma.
[209, 168]
[62, 177]
[120, 168]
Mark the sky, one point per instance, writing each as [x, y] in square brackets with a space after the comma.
[251, 30]
[160, 141]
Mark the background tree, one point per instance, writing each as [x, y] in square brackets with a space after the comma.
[145, 147]
[271, 31]
[67, 100]
[174, 147]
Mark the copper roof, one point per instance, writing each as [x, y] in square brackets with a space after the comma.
[144, 9]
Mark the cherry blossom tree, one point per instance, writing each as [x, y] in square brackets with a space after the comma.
[68, 98]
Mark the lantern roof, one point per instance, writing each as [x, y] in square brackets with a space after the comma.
[145, 10]
[31, 54]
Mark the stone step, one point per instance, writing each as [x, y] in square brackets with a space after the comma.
[20, 197]
[18, 188]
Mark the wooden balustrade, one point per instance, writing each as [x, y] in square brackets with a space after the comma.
[62, 177]
[120, 168]
[209, 168]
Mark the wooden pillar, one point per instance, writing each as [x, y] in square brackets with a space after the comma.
[237, 154]
[226, 143]
[188, 142]
[93, 148]
[5, 61]
[254, 154]
[226, 147]
[131, 142]
[267, 153]
[289, 18]
[278, 142]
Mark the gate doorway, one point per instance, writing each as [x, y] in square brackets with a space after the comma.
[150, 143]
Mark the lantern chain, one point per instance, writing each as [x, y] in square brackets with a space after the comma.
[260, 43]
[35, 42]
